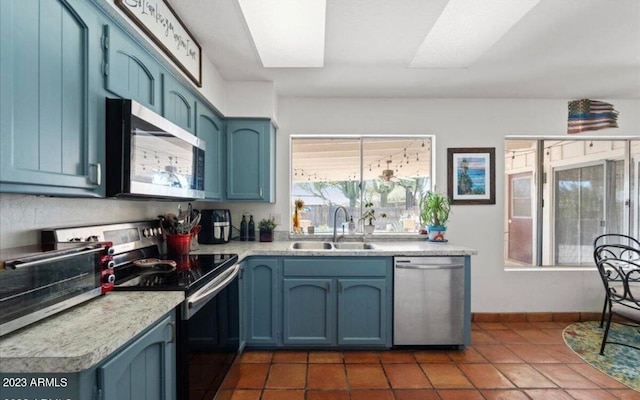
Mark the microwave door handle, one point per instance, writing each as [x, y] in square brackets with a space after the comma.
[21, 264]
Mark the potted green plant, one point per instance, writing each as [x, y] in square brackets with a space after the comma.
[266, 227]
[434, 213]
[368, 217]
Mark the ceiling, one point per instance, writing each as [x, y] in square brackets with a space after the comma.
[561, 49]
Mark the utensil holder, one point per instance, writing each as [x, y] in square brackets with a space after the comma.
[179, 244]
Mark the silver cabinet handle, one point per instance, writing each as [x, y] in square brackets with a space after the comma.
[98, 180]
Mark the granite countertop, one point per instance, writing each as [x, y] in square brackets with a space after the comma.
[381, 248]
[81, 337]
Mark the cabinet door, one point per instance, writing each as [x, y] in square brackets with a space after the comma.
[261, 280]
[145, 370]
[309, 312]
[130, 72]
[362, 311]
[47, 118]
[209, 127]
[250, 160]
[178, 104]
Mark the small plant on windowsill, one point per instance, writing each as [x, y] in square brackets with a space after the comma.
[266, 227]
[368, 217]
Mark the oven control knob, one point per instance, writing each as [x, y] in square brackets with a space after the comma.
[92, 238]
[108, 280]
[146, 233]
[75, 239]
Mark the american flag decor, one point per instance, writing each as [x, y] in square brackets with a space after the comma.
[591, 115]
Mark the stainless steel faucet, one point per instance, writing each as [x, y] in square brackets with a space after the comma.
[335, 219]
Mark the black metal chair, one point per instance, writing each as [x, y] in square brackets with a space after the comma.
[620, 274]
[616, 238]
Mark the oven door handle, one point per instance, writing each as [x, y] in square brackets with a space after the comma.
[210, 290]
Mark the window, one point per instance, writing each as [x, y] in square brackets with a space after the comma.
[350, 171]
[561, 194]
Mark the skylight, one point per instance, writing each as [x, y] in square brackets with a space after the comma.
[287, 33]
[466, 29]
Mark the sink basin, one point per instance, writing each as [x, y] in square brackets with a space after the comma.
[354, 246]
[311, 246]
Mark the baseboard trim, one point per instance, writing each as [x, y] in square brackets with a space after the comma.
[536, 317]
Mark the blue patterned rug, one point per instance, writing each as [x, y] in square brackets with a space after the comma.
[622, 363]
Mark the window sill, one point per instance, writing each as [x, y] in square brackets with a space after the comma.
[551, 268]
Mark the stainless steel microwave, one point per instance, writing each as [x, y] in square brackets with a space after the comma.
[149, 156]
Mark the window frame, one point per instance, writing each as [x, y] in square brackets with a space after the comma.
[361, 138]
[541, 243]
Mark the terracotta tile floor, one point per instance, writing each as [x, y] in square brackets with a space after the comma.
[506, 361]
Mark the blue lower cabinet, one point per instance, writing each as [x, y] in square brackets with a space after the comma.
[309, 312]
[144, 370]
[261, 305]
[318, 302]
[363, 311]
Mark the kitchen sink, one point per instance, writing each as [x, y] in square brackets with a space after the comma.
[311, 246]
[354, 246]
[331, 246]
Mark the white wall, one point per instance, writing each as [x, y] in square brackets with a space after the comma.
[23, 216]
[251, 99]
[457, 123]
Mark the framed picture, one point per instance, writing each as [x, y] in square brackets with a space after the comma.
[471, 175]
[158, 20]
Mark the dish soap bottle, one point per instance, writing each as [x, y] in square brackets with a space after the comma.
[252, 229]
[243, 228]
[352, 226]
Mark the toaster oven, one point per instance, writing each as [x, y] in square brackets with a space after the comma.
[39, 281]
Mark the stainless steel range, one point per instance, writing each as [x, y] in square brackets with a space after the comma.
[208, 329]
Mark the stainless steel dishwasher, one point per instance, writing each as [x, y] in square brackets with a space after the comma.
[429, 301]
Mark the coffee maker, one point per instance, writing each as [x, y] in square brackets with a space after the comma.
[216, 227]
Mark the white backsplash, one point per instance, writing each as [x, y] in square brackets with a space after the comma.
[23, 216]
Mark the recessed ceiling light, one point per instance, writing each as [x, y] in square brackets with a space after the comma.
[287, 33]
[466, 29]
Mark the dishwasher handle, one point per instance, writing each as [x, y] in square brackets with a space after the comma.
[429, 266]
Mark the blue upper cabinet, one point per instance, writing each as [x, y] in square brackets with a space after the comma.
[50, 139]
[178, 104]
[210, 128]
[130, 72]
[250, 160]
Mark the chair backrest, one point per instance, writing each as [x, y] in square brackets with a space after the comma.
[616, 238]
[621, 278]
[616, 250]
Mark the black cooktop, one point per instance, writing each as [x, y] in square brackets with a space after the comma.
[188, 273]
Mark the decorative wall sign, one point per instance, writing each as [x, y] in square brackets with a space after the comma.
[471, 175]
[158, 20]
[590, 115]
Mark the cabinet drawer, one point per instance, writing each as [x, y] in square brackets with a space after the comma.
[337, 266]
